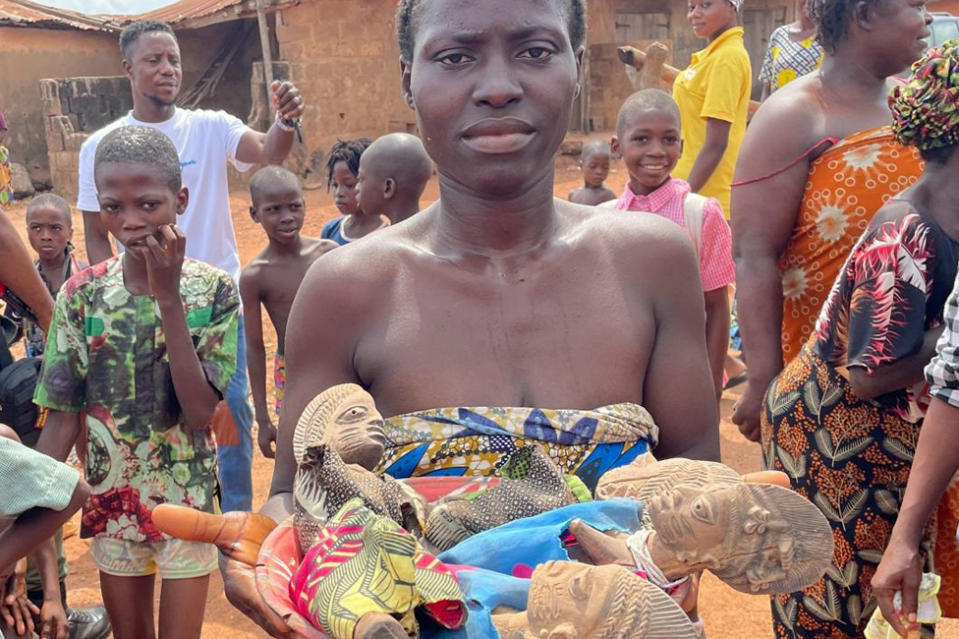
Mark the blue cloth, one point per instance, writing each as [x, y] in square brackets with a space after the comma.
[332, 231]
[504, 556]
[235, 463]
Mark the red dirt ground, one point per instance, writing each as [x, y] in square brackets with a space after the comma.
[728, 614]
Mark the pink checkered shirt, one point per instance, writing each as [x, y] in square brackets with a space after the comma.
[716, 268]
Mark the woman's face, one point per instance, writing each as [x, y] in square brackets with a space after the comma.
[709, 18]
[493, 84]
[898, 33]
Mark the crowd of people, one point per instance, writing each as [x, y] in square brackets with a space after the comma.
[822, 229]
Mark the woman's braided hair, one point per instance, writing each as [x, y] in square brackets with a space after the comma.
[405, 14]
[925, 110]
[832, 18]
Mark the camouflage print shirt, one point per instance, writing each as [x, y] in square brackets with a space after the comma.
[106, 356]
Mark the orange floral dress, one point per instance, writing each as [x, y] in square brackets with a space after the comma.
[846, 186]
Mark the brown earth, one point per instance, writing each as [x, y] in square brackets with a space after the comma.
[727, 614]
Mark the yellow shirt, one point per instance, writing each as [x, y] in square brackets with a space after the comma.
[717, 85]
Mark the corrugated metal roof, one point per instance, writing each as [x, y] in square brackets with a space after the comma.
[186, 13]
[22, 13]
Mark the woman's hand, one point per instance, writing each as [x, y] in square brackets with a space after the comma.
[899, 571]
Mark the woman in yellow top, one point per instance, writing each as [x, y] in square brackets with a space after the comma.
[713, 98]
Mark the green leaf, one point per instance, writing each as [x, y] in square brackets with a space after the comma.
[854, 506]
[811, 396]
[824, 442]
[795, 469]
[832, 600]
[784, 403]
[850, 573]
[852, 448]
[887, 501]
[831, 396]
[854, 609]
[827, 508]
[816, 609]
[897, 448]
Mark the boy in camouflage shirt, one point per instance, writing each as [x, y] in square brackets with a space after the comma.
[145, 345]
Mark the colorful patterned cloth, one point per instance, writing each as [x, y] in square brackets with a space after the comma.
[850, 456]
[787, 59]
[362, 563]
[477, 441]
[279, 380]
[106, 355]
[846, 186]
[6, 178]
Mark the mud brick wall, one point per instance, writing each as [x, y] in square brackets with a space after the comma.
[609, 86]
[345, 61]
[72, 109]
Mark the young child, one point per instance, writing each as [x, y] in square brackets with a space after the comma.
[393, 174]
[50, 231]
[648, 138]
[143, 345]
[40, 494]
[594, 160]
[344, 167]
[272, 279]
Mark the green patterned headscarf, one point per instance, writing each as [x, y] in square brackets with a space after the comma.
[925, 109]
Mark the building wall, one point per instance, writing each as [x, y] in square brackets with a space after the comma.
[28, 55]
[345, 61]
[613, 23]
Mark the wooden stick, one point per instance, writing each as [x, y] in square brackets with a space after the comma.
[637, 59]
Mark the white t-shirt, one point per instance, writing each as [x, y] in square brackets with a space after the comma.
[204, 140]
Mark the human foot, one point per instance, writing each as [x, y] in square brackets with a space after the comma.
[379, 625]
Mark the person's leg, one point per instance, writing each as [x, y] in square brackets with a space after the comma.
[235, 462]
[185, 567]
[129, 602]
[182, 604]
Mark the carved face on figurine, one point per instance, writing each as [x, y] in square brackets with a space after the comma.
[716, 528]
[570, 600]
[345, 418]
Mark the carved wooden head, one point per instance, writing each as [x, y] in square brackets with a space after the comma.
[345, 418]
[785, 543]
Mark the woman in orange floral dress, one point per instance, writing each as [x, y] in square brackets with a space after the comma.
[817, 162]
[843, 417]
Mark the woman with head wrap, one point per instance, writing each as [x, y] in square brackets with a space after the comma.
[926, 117]
[792, 52]
[843, 417]
[818, 161]
[713, 98]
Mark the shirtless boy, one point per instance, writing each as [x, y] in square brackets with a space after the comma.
[499, 294]
[594, 160]
[272, 279]
[393, 173]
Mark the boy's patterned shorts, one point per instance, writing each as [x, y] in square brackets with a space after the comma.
[172, 558]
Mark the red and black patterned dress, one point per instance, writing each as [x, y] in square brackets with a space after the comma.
[851, 456]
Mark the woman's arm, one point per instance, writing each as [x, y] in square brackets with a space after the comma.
[897, 375]
[717, 333]
[763, 215]
[935, 463]
[717, 139]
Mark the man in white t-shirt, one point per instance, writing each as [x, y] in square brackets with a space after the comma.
[205, 142]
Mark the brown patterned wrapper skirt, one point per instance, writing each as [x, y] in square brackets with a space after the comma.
[851, 458]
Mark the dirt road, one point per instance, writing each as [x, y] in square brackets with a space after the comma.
[727, 613]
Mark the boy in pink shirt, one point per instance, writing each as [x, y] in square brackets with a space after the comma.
[648, 138]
